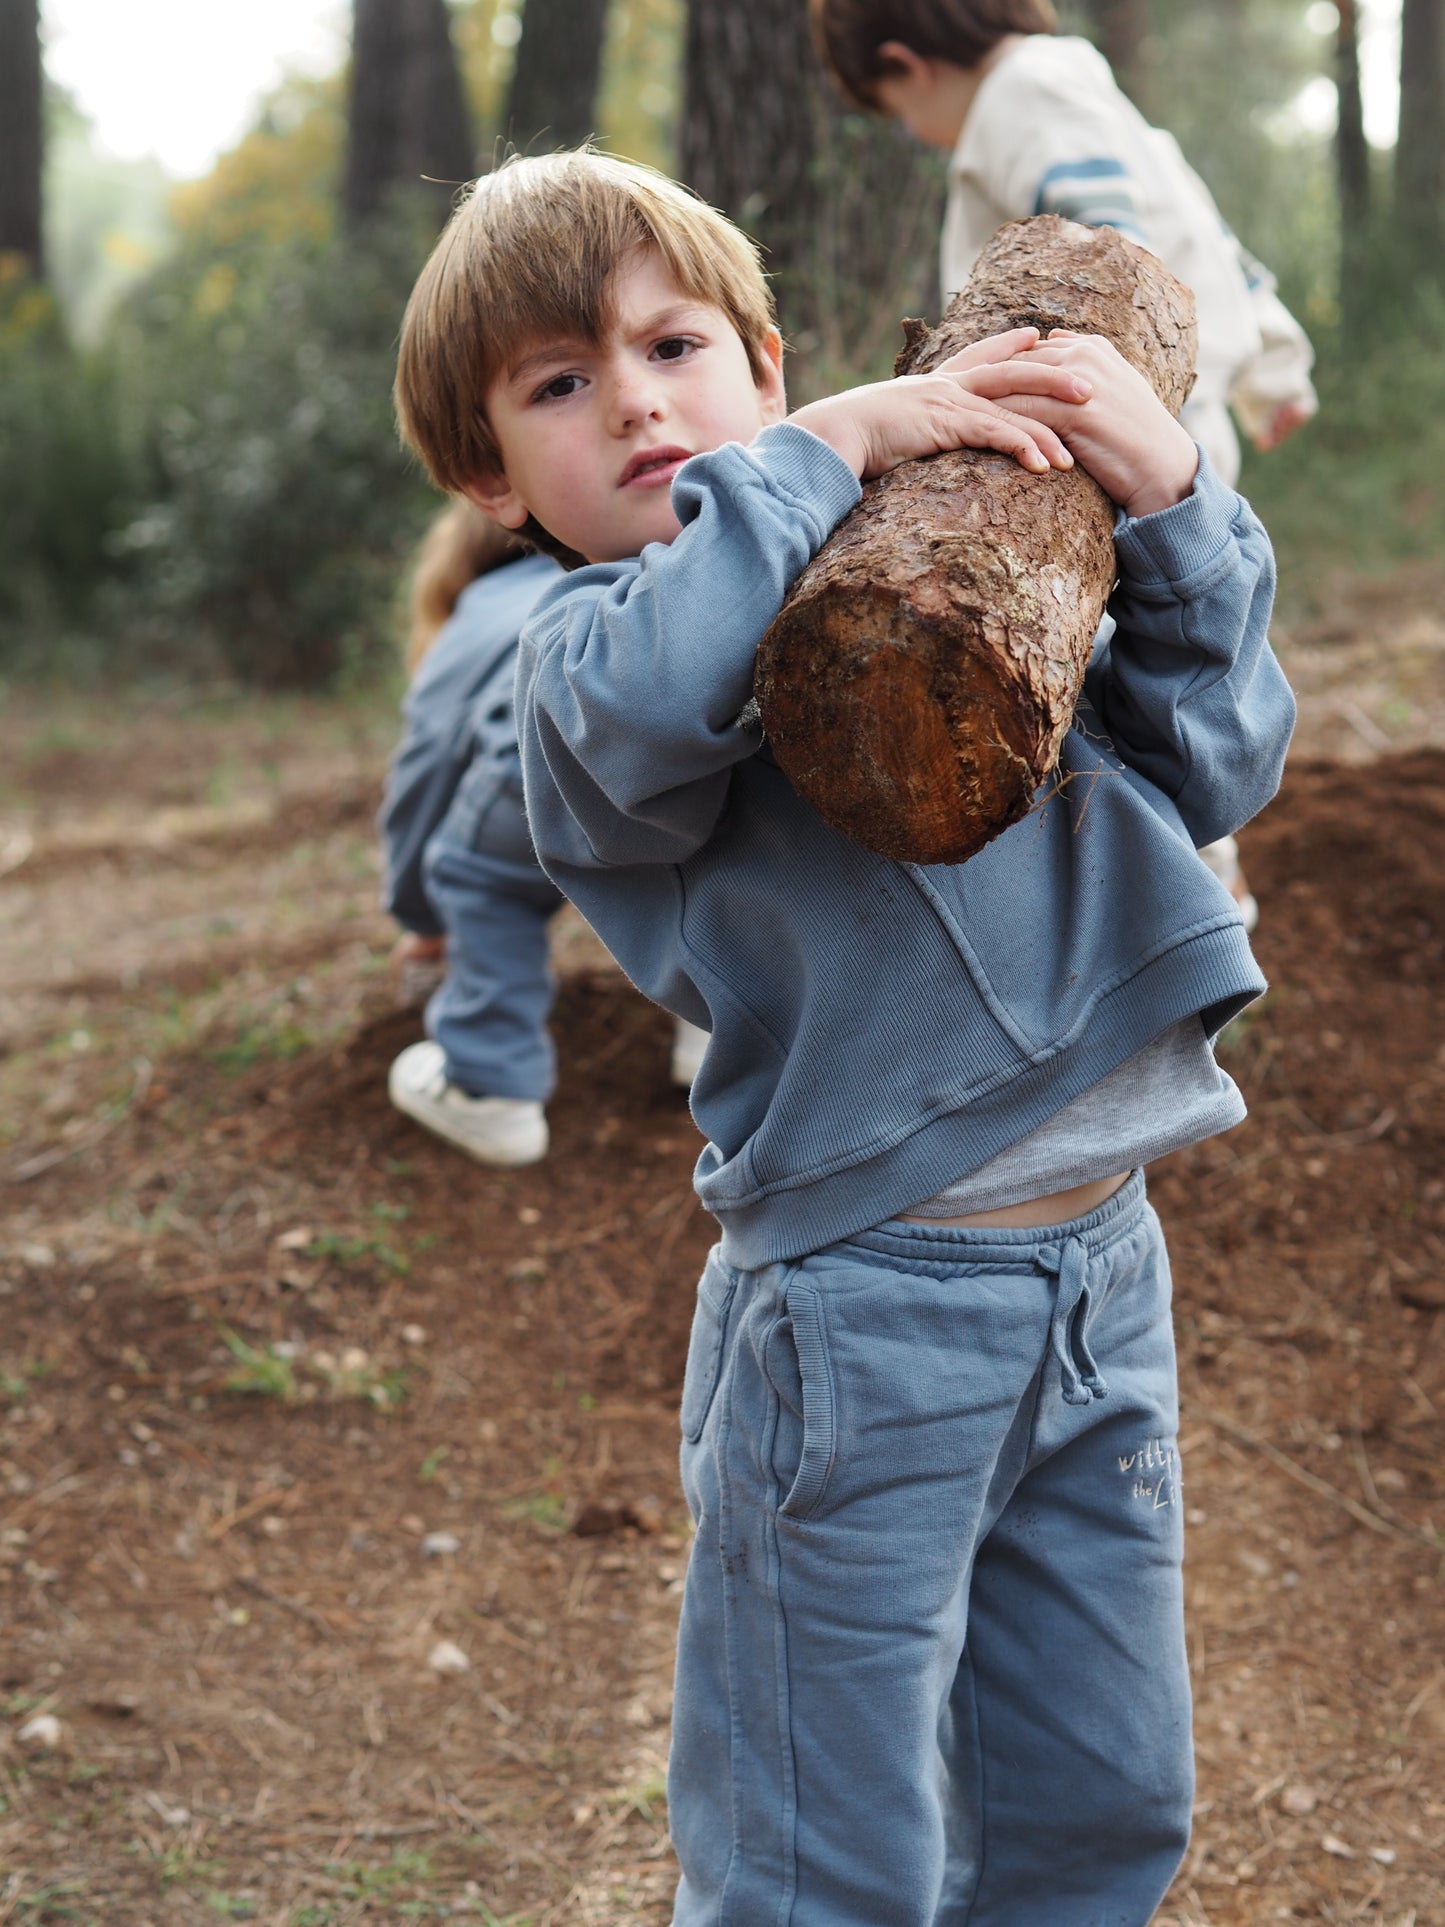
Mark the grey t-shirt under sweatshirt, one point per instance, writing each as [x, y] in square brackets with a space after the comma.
[1169, 1094]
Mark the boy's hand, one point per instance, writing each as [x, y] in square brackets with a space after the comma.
[955, 406]
[1122, 434]
[1289, 416]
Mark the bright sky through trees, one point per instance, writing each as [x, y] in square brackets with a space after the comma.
[181, 79]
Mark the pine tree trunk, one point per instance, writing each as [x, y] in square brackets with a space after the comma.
[408, 127]
[552, 100]
[1352, 171]
[1420, 151]
[920, 680]
[1122, 31]
[21, 133]
[747, 142]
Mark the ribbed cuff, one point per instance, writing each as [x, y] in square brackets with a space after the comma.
[1171, 547]
[804, 466]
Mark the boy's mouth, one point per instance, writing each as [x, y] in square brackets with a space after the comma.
[652, 467]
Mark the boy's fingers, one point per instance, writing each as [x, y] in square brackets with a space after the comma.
[1033, 443]
[1028, 377]
[996, 348]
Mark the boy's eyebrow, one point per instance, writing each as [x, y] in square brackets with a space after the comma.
[562, 347]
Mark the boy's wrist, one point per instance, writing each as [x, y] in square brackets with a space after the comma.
[1173, 545]
[1171, 483]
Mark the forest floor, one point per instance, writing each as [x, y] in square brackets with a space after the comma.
[290, 1393]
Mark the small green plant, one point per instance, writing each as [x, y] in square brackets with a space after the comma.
[275, 1039]
[548, 1510]
[16, 1381]
[432, 1463]
[259, 1369]
[50, 1903]
[233, 1906]
[345, 1250]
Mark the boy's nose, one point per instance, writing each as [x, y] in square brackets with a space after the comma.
[636, 397]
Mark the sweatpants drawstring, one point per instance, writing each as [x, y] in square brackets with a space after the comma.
[1068, 1330]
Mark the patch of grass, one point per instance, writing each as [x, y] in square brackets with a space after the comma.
[16, 1381]
[344, 1250]
[233, 1906]
[270, 1040]
[548, 1510]
[259, 1369]
[39, 1905]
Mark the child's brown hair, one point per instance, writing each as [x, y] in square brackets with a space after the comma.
[529, 255]
[849, 33]
[460, 545]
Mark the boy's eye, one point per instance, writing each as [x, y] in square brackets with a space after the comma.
[558, 388]
[673, 347]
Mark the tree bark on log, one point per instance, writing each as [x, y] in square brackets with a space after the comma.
[918, 684]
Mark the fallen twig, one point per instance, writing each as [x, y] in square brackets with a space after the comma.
[313, 1619]
[1412, 1535]
[45, 1161]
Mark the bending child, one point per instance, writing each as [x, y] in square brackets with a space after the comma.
[461, 876]
[931, 1660]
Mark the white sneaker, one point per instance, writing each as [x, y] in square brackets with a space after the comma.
[688, 1046]
[493, 1130]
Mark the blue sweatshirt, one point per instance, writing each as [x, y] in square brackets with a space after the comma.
[880, 1028]
[458, 707]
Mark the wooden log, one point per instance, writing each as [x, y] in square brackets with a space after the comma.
[918, 684]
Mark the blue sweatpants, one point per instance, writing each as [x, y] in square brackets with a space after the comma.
[931, 1667]
[494, 901]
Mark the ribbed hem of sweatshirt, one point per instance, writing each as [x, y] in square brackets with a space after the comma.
[1210, 972]
[1182, 544]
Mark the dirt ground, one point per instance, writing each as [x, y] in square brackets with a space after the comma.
[291, 1394]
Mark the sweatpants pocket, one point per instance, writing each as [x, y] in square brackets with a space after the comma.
[704, 1346]
[802, 1376]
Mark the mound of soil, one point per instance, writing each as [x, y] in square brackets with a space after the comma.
[266, 1337]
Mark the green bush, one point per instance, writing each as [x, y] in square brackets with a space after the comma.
[279, 503]
[1360, 487]
[69, 475]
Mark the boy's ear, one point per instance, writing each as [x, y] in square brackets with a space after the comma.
[770, 388]
[494, 495]
[904, 63]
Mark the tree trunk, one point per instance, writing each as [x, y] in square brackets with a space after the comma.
[407, 122]
[1420, 150]
[747, 142]
[1121, 28]
[1352, 170]
[919, 682]
[21, 133]
[553, 95]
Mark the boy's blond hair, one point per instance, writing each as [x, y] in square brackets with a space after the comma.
[848, 34]
[529, 256]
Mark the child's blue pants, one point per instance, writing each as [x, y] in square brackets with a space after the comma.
[931, 1666]
[494, 901]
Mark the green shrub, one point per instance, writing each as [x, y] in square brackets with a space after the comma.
[1360, 487]
[280, 503]
[69, 475]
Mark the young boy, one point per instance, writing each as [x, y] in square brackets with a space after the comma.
[931, 1663]
[1034, 123]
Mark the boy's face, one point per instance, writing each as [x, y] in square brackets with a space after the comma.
[591, 435]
